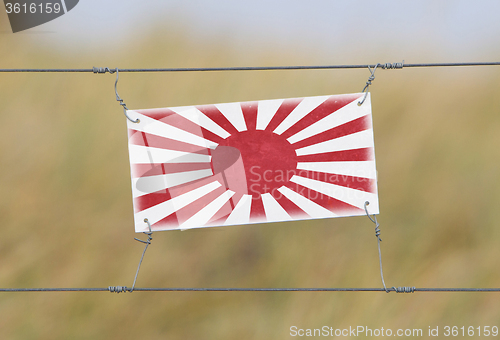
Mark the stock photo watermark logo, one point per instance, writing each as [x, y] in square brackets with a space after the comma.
[24, 15]
[262, 180]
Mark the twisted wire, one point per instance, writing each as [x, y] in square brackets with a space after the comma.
[404, 289]
[118, 289]
[368, 83]
[147, 242]
[389, 66]
[250, 68]
[118, 98]
[377, 235]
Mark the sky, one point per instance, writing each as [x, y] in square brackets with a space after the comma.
[357, 29]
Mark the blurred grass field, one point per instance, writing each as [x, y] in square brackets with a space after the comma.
[66, 207]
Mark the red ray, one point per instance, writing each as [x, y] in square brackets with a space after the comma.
[147, 201]
[221, 216]
[291, 208]
[214, 114]
[357, 125]
[284, 110]
[257, 212]
[171, 118]
[358, 183]
[150, 200]
[194, 207]
[154, 169]
[169, 222]
[250, 113]
[329, 106]
[217, 220]
[153, 141]
[363, 154]
[332, 204]
[175, 219]
[223, 212]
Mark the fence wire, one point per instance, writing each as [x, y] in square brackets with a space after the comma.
[398, 65]
[124, 289]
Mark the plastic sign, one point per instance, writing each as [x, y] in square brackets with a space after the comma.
[252, 162]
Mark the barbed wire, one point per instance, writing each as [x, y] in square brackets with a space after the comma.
[397, 65]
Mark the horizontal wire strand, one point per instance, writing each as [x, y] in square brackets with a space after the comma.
[253, 68]
[125, 289]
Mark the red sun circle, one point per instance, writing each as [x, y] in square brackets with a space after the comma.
[269, 159]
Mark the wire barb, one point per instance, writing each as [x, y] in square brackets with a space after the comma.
[404, 289]
[389, 66]
[103, 70]
[118, 289]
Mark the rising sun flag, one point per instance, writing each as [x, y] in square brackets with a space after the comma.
[252, 162]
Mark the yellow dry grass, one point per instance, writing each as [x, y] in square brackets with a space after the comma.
[66, 211]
